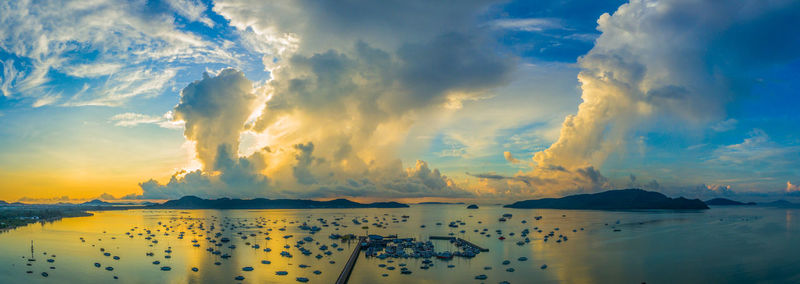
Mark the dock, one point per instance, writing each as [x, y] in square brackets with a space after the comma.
[461, 240]
[351, 262]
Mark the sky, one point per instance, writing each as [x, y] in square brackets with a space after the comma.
[488, 101]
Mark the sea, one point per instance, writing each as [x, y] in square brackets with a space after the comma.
[738, 244]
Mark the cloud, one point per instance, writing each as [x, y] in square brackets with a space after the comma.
[55, 47]
[321, 25]
[64, 199]
[193, 10]
[214, 111]
[314, 157]
[792, 188]
[657, 60]
[235, 177]
[510, 158]
[725, 125]
[106, 196]
[130, 119]
[528, 24]
[718, 189]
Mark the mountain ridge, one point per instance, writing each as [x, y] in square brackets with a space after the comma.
[621, 199]
[194, 202]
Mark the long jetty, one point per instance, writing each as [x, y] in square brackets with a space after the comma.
[461, 240]
[351, 262]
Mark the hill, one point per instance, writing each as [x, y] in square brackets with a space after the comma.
[726, 202]
[623, 199]
[781, 203]
[194, 202]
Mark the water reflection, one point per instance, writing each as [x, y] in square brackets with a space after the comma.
[718, 245]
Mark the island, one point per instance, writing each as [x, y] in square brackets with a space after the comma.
[622, 199]
[781, 204]
[194, 202]
[726, 202]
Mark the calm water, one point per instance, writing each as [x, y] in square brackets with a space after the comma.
[742, 245]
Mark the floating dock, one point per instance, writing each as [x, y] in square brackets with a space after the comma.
[461, 240]
[351, 262]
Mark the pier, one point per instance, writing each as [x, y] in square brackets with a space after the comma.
[460, 240]
[351, 262]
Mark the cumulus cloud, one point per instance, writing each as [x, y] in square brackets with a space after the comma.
[324, 151]
[718, 189]
[214, 111]
[792, 188]
[658, 59]
[510, 158]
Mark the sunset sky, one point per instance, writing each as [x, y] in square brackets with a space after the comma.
[398, 100]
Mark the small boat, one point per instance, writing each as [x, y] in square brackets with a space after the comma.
[444, 255]
[302, 279]
[481, 277]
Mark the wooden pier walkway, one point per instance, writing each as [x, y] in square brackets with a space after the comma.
[351, 262]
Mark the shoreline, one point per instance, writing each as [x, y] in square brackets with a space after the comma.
[17, 217]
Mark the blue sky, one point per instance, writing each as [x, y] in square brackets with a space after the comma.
[398, 99]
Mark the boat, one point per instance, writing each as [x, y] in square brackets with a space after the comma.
[444, 255]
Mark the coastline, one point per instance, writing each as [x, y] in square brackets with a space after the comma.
[16, 217]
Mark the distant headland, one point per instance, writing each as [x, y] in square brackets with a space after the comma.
[623, 199]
